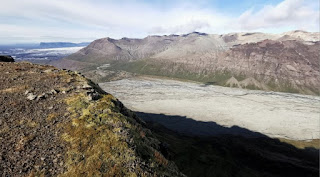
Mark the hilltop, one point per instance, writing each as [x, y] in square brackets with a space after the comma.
[286, 62]
[58, 123]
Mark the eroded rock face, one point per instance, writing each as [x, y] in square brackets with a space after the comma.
[279, 63]
[6, 58]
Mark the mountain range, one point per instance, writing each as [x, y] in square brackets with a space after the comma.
[287, 62]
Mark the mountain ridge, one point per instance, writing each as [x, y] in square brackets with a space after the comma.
[281, 62]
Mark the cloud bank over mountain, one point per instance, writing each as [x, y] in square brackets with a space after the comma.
[76, 20]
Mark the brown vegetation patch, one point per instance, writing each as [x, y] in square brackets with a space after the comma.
[315, 143]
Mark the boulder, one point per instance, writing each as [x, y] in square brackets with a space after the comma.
[31, 96]
[6, 58]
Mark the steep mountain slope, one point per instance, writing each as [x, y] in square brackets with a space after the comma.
[58, 123]
[279, 62]
[268, 65]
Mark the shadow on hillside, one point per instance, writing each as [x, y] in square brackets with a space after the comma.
[208, 149]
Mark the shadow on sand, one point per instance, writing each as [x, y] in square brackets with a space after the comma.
[208, 149]
[188, 126]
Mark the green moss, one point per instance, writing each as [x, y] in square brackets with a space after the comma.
[95, 149]
[102, 141]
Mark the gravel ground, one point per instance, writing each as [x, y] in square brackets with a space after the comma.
[277, 115]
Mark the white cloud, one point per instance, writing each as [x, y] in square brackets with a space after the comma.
[183, 28]
[87, 20]
[294, 14]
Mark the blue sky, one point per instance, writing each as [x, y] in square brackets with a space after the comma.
[32, 21]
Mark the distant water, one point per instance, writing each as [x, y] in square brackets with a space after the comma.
[32, 53]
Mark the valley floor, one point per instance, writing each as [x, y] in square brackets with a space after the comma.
[277, 115]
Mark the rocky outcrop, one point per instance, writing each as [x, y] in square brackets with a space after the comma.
[58, 123]
[233, 82]
[6, 58]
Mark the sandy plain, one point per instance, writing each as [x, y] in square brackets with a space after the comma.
[277, 115]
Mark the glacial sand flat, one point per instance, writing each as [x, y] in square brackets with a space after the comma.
[278, 115]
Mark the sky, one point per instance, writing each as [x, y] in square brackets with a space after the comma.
[33, 21]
